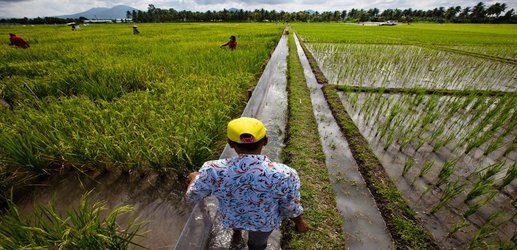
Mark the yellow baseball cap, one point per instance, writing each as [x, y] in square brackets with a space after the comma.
[246, 125]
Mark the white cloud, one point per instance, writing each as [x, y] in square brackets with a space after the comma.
[34, 8]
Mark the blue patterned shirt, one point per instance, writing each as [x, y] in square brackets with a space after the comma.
[254, 193]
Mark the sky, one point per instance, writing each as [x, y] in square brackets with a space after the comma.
[41, 8]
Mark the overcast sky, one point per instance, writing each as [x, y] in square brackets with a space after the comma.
[35, 8]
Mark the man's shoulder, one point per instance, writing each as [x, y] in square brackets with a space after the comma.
[281, 167]
[216, 163]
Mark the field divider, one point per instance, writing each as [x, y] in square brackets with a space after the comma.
[268, 103]
[405, 228]
[469, 53]
[450, 92]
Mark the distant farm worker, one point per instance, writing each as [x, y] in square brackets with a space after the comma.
[254, 193]
[135, 30]
[232, 44]
[17, 41]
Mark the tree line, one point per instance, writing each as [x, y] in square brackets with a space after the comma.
[480, 13]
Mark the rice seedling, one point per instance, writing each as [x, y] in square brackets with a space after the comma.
[511, 174]
[485, 183]
[451, 190]
[480, 240]
[410, 162]
[426, 168]
[473, 208]
[446, 171]
[445, 126]
[457, 227]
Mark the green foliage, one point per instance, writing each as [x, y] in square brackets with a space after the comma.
[410, 162]
[111, 99]
[446, 171]
[481, 238]
[452, 189]
[87, 227]
[511, 174]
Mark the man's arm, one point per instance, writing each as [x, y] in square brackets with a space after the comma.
[199, 185]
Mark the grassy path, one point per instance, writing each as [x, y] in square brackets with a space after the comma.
[303, 152]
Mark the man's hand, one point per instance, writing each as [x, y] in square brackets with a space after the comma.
[192, 177]
[300, 224]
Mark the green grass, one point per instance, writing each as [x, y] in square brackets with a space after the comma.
[304, 153]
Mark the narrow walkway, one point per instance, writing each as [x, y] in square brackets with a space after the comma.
[364, 226]
[269, 104]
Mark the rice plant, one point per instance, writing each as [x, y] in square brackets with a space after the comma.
[480, 240]
[101, 107]
[410, 162]
[90, 226]
[451, 190]
[485, 183]
[511, 174]
[473, 208]
[457, 227]
[446, 171]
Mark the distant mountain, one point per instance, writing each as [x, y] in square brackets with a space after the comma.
[116, 12]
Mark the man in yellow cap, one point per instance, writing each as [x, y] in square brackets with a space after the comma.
[254, 193]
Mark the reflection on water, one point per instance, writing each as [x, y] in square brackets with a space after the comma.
[157, 200]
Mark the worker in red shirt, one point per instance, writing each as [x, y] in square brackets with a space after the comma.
[232, 44]
[17, 41]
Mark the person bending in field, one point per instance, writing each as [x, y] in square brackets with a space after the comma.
[135, 30]
[17, 41]
[232, 44]
[254, 193]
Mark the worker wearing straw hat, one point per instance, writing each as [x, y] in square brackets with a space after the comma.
[254, 193]
[135, 30]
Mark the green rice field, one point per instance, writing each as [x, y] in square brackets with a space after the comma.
[102, 98]
[437, 104]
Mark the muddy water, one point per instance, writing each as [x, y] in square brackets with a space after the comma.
[412, 187]
[363, 224]
[157, 200]
[269, 104]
